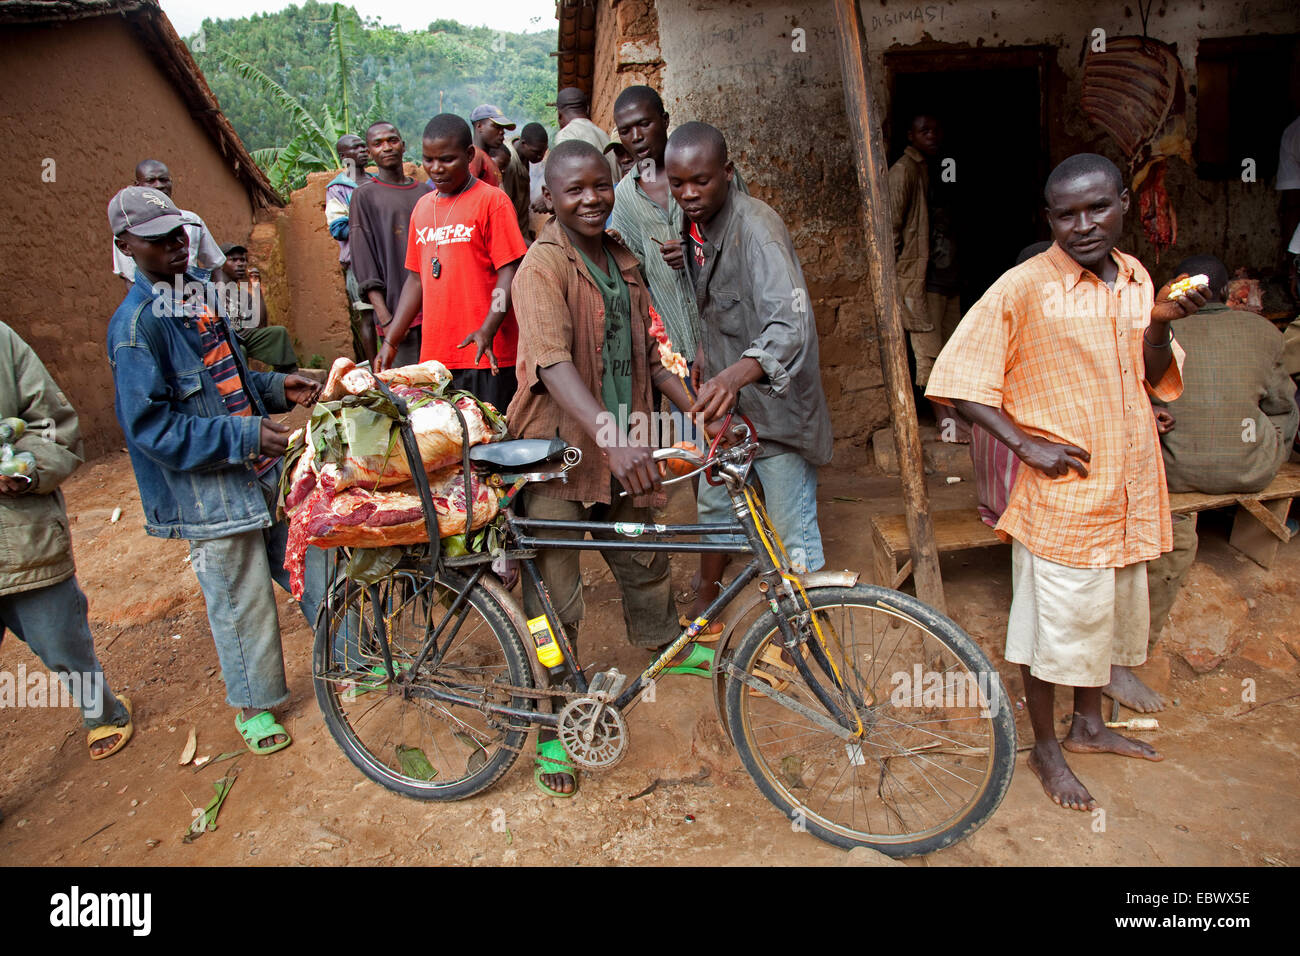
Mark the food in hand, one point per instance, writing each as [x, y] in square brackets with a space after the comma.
[668, 358]
[11, 429]
[20, 465]
[1183, 286]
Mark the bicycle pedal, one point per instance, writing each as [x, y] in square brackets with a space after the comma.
[609, 683]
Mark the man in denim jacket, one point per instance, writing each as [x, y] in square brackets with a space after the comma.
[205, 454]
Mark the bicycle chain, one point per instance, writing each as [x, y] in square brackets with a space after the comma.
[515, 691]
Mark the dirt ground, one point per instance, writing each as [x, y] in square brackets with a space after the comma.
[1223, 796]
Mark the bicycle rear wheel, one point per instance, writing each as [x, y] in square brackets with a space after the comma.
[938, 739]
[391, 728]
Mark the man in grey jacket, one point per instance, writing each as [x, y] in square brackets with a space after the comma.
[758, 342]
[39, 597]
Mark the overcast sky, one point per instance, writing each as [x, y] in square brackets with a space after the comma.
[516, 16]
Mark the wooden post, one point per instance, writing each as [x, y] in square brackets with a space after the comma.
[869, 152]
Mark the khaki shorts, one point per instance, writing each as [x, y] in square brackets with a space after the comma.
[1071, 624]
[944, 312]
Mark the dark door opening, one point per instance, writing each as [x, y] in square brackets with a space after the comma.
[991, 106]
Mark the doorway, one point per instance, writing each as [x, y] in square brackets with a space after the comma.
[991, 104]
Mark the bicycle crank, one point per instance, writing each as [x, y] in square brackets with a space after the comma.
[593, 732]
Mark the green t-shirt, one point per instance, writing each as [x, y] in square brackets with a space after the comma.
[616, 383]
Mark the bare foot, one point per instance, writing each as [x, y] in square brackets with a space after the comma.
[560, 782]
[1126, 688]
[1091, 736]
[1058, 780]
[247, 714]
[104, 745]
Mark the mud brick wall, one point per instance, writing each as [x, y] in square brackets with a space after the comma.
[627, 53]
[782, 111]
[87, 104]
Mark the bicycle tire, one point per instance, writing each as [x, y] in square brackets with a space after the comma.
[977, 782]
[383, 727]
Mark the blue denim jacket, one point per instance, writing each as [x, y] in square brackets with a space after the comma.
[192, 461]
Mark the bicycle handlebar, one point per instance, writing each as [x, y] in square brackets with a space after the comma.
[742, 436]
[685, 454]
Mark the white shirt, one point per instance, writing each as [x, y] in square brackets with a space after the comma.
[536, 180]
[1288, 171]
[587, 131]
[205, 254]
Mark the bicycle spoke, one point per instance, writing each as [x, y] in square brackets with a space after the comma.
[924, 756]
[394, 729]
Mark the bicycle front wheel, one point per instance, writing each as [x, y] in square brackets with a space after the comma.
[934, 752]
[393, 727]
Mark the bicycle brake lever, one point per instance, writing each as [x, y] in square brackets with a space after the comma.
[674, 480]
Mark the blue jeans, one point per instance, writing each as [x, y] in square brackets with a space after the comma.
[52, 622]
[790, 492]
[236, 575]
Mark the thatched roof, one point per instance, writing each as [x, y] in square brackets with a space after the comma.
[169, 51]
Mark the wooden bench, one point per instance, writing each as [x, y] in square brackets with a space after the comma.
[1257, 530]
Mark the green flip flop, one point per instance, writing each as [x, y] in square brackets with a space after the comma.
[376, 679]
[551, 752]
[259, 727]
[699, 662]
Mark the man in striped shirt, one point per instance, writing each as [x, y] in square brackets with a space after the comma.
[649, 222]
[1056, 360]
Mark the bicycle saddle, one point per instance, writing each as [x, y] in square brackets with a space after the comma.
[517, 453]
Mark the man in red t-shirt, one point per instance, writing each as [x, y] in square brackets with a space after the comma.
[462, 249]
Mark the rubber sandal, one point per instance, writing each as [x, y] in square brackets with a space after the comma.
[104, 731]
[699, 663]
[771, 656]
[710, 635]
[259, 727]
[377, 680]
[552, 752]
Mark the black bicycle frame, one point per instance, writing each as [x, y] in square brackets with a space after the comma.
[644, 540]
[651, 540]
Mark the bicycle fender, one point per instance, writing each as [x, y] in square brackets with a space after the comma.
[810, 581]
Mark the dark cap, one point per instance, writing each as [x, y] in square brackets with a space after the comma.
[571, 96]
[143, 211]
[488, 111]
[615, 141]
[228, 247]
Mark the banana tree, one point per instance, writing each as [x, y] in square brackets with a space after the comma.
[311, 149]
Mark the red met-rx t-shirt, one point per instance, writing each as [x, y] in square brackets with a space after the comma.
[472, 235]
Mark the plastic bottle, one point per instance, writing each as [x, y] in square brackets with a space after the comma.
[547, 647]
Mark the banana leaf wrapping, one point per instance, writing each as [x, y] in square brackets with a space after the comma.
[346, 481]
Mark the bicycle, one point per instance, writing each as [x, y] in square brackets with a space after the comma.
[866, 716]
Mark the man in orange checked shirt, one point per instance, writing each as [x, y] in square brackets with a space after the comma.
[1056, 361]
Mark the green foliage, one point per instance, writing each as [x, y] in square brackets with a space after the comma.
[293, 81]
